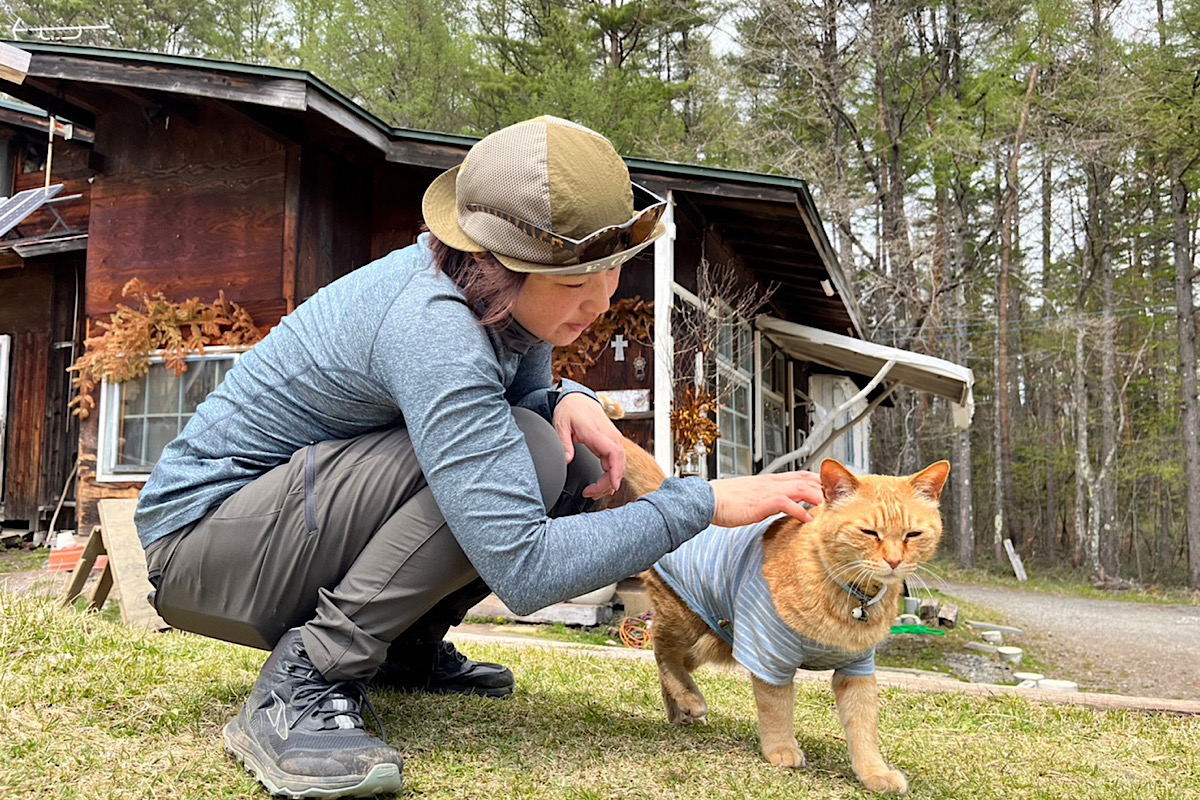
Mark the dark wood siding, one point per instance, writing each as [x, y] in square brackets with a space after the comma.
[335, 220]
[199, 228]
[397, 212]
[193, 201]
[27, 424]
[191, 205]
[36, 304]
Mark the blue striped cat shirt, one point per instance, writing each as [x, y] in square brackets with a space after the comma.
[719, 574]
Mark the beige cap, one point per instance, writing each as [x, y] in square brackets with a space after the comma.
[556, 174]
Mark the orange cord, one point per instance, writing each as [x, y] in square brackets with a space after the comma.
[635, 632]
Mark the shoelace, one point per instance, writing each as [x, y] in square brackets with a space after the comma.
[448, 655]
[339, 690]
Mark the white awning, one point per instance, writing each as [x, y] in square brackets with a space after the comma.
[921, 372]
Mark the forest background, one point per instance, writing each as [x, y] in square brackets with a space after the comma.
[1008, 184]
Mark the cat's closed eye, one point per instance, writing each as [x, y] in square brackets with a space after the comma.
[869, 533]
[912, 534]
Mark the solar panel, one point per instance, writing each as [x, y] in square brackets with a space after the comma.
[15, 209]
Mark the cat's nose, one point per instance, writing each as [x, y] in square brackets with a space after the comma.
[893, 563]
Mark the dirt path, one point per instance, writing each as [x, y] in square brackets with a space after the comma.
[1105, 645]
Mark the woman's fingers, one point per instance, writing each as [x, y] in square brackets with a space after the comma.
[581, 420]
[743, 501]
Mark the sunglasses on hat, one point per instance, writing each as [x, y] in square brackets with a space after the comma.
[597, 245]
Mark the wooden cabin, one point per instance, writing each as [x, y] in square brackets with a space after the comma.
[199, 177]
[42, 256]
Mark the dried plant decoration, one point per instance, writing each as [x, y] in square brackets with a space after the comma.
[691, 421]
[123, 350]
[633, 316]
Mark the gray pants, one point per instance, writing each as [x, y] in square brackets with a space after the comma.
[345, 539]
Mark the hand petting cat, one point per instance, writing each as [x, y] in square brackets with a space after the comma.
[743, 501]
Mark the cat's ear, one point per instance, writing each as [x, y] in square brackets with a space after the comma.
[931, 480]
[837, 482]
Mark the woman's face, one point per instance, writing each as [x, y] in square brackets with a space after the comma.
[557, 308]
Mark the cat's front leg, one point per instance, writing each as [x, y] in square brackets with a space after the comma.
[858, 707]
[776, 724]
[681, 696]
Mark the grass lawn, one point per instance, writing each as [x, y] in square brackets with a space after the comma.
[16, 559]
[91, 709]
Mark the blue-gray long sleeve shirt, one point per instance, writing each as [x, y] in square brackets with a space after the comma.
[395, 344]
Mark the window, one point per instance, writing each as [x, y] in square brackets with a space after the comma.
[734, 455]
[33, 155]
[139, 418]
[774, 429]
[735, 370]
[774, 405]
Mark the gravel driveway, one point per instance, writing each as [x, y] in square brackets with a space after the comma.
[1104, 645]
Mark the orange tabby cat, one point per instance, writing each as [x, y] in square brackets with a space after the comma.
[833, 588]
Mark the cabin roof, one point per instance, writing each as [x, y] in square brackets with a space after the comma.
[770, 221]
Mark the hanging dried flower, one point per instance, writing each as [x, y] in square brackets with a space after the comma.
[123, 350]
[691, 421]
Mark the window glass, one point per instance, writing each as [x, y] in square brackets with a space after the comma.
[725, 343]
[774, 429]
[734, 455]
[745, 349]
[151, 410]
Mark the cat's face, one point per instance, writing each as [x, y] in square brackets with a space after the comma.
[877, 527]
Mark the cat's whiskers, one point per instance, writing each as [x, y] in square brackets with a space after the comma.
[923, 585]
[852, 573]
[940, 580]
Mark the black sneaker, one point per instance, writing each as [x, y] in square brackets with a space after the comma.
[451, 673]
[302, 736]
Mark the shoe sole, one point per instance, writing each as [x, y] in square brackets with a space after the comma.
[496, 693]
[382, 779]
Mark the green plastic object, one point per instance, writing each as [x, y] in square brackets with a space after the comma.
[917, 629]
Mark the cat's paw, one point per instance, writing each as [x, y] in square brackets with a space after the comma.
[885, 780]
[689, 711]
[689, 714]
[789, 756]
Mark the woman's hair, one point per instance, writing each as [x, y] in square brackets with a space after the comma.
[491, 288]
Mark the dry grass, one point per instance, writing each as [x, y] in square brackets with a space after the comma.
[91, 709]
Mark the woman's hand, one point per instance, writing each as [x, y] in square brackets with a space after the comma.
[743, 501]
[581, 420]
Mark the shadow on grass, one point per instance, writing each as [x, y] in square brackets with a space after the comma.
[573, 730]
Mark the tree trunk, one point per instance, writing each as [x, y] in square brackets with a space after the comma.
[1046, 408]
[1186, 323]
[956, 238]
[1085, 554]
[1110, 532]
[1004, 389]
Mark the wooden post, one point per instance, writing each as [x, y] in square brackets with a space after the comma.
[87, 560]
[1015, 559]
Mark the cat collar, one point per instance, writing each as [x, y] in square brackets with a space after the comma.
[864, 601]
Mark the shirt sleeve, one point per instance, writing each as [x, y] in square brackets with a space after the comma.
[441, 369]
